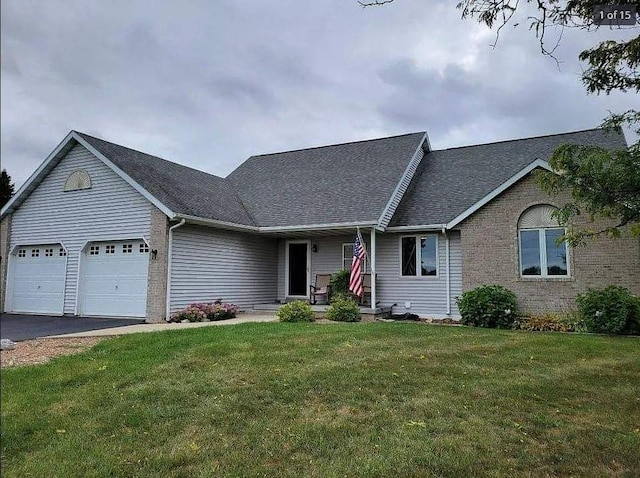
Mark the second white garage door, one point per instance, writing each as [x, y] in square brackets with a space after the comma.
[114, 279]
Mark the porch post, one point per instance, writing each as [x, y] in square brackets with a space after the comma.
[373, 267]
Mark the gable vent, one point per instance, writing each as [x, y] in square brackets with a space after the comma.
[538, 216]
[79, 179]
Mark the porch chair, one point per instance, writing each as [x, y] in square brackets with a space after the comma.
[321, 287]
[366, 288]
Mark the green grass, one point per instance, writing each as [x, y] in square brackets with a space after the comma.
[329, 400]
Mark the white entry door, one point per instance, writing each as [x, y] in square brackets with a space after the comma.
[37, 279]
[114, 279]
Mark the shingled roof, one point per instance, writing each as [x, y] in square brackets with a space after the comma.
[342, 183]
[348, 184]
[182, 189]
[450, 181]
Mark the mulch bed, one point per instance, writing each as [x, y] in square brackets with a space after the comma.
[31, 352]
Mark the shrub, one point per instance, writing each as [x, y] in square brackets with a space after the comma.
[202, 311]
[340, 283]
[612, 310]
[343, 309]
[488, 306]
[547, 323]
[296, 311]
[190, 313]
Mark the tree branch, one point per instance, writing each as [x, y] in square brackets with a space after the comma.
[374, 3]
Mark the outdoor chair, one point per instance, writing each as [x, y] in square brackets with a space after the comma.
[321, 287]
[366, 288]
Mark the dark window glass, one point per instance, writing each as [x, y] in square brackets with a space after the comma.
[530, 252]
[556, 254]
[429, 259]
[408, 256]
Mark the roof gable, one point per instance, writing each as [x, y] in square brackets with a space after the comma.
[450, 182]
[337, 184]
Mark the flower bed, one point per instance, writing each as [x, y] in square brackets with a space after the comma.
[205, 312]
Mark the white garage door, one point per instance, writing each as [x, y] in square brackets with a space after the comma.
[37, 279]
[114, 279]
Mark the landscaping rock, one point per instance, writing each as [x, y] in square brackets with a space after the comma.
[6, 344]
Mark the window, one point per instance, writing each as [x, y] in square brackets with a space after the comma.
[79, 179]
[347, 257]
[540, 255]
[94, 250]
[109, 249]
[127, 248]
[22, 253]
[422, 260]
[48, 252]
[35, 252]
[62, 252]
[144, 248]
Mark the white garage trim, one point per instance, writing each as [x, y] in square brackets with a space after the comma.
[81, 252]
[10, 282]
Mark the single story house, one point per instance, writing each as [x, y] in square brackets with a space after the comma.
[104, 230]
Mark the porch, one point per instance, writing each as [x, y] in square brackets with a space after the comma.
[367, 312]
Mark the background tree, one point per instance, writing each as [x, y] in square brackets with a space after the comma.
[604, 184]
[6, 188]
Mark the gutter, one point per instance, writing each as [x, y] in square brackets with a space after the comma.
[419, 228]
[167, 310]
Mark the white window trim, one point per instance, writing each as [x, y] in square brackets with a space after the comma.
[544, 273]
[344, 257]
[419, 257]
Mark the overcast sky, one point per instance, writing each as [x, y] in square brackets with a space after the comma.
[209, 83]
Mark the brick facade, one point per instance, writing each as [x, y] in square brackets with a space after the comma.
[157, 280]
[5, 231]
[490, 254]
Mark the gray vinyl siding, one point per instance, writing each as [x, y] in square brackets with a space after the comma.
[281, 269]
[209, 264]
[328, 259]
[110, 209]
[426, 294]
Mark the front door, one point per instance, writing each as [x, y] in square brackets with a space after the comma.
[298, 269]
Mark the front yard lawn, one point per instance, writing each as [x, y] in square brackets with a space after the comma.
[329, 400]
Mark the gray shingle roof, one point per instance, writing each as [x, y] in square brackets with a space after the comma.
[450, 181]
[340, 183]
[183, 190]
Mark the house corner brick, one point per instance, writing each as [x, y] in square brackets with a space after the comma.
[5, 236]
[490, 254]
[157, 280]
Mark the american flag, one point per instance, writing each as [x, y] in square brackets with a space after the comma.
[355, 280]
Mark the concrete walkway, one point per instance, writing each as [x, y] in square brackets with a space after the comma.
[139, 328]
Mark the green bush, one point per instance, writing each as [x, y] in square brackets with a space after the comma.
[343, 309]
[296, 311]
[340, 283]
[612, 310]
[488, 306]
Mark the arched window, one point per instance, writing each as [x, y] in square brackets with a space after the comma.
[540, 255]
[79, 179]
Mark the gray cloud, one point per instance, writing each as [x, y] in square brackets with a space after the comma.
[209, 83]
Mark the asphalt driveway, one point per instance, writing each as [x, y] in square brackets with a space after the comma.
[24, 327]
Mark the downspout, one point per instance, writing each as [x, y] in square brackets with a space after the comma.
[448, 269]
[167, 310]
[373, 269]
